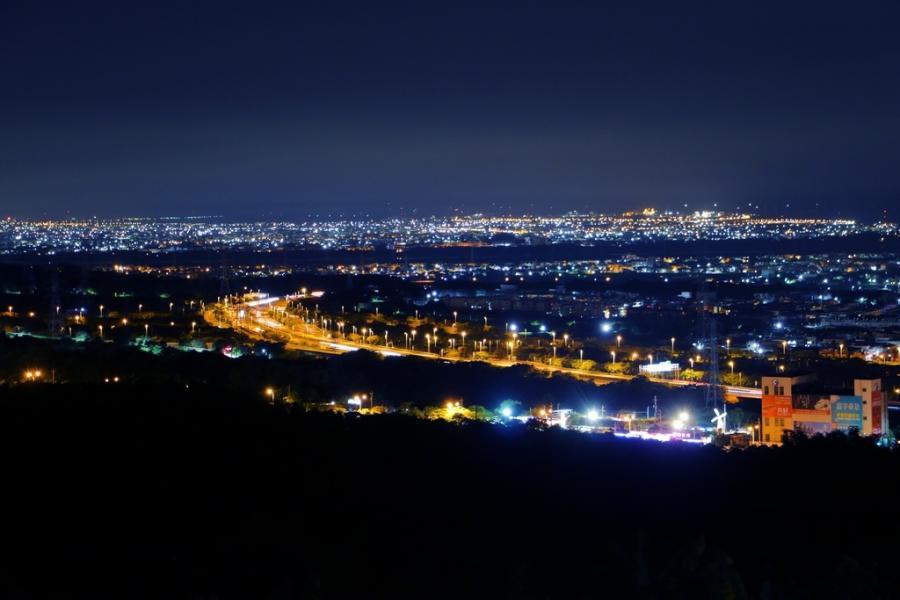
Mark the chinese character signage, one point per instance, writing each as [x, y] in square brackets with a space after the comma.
[847, 412]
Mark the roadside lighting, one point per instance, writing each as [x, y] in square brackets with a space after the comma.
[593, 415]
[634, 356]
[784, 347]
[673, 345]
[683, 416]
[101, 311]
[270, 392]
[454, 317]
[566, 340]
[193, 326]
[841, 350]
[506, 412]
[618, 341]
[146, 330]
[613, 353]
[650, 356]
[728, 345]
[691, 360]
[731, 364]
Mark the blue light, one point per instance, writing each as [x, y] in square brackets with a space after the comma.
[605, 327]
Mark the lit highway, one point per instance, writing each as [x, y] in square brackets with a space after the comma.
[271, 321]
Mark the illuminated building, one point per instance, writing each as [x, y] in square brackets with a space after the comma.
[794, 403]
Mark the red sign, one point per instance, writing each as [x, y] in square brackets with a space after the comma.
[776, 406]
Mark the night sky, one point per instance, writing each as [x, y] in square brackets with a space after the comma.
[386, 108]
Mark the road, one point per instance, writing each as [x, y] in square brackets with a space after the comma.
[298, 335]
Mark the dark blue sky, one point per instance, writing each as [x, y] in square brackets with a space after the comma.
[244, 110]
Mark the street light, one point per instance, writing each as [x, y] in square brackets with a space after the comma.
[673, 345]
[728, 345]
[841, 350]
[731, 364]
[613, 356]
[270, 392]
[618, 341]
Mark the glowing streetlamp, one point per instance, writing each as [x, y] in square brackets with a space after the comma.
[841, 350]
[618, 341]
[731, 364]
[613, 353]
[673, 345]
[101, 311]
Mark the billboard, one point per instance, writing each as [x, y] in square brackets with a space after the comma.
[847, 412]
[877, 408]
[776, 406]
[811, 404]
[812, 427]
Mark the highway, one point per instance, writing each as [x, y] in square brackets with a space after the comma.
[257, 324]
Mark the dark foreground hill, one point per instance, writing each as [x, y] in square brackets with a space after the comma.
[202, 493]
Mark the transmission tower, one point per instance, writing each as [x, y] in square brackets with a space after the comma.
[224, 288]
[54, 323]
[709, 343]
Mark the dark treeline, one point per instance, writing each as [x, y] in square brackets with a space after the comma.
[206, 492]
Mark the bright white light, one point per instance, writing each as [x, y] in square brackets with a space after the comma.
[543, 328]
[779, 325]
[513, 327]
[605, 327]
[593, 415]
[507, 412]
[683, 416]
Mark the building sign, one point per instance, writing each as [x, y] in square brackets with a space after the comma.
[813, 427]
[811, 404]
[877, 407]
[847, 412]
[776, 406]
